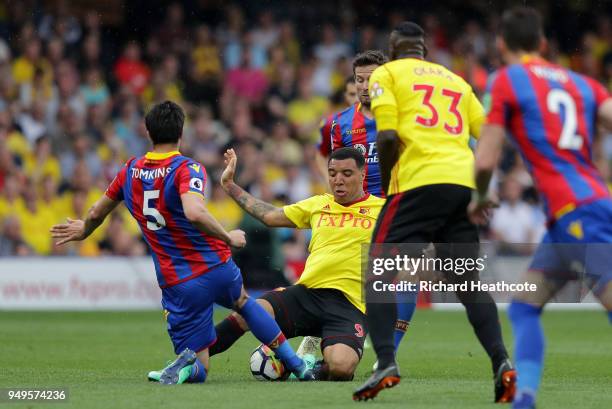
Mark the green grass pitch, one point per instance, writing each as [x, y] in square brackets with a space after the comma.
[103, 358]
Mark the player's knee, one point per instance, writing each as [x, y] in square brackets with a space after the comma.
[242, 299]
[341, 370]
[237, 318]
[342, 362]
[266, 306]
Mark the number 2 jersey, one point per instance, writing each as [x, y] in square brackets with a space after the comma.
[551, 114]
[434, 112]
[151, 187]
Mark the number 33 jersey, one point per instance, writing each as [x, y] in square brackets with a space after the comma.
[151, 187]
[551, 114]
[434, 111]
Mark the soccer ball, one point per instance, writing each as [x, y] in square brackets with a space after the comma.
[265, 366]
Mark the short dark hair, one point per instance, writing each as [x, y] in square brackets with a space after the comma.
[349, 80]
[522, 29]
[348, 153]
[409, 29]
[369, 57]
[165, 122]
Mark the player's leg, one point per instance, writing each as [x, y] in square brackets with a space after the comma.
[341, 361]
[407, 217]
[233, 327]
[462, 241]
[189, 313]
[549, 272]
[400, 221]
[262, 325]
[406, 305]
[529, 342]
[343, 335]
[458, 239]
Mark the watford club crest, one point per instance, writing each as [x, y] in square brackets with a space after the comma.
[364, 210]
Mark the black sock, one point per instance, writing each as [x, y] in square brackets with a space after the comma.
[228, 332]
[482, 314]
[381, 319]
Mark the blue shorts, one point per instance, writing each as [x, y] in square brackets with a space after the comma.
[189, 306]
[579, 245]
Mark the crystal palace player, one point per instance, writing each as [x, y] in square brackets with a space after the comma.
[164, 192]
[425, 115]
[552, 114]
[355, 127]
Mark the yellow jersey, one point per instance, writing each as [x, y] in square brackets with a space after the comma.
[338, 235]
[434, 112]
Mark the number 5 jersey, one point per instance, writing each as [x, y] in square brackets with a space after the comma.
[151, 187]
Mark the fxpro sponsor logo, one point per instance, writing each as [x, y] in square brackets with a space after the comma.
[345, 220]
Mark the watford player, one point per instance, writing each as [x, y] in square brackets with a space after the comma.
[424, 117]
[327, 300]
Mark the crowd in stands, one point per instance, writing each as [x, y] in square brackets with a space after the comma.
[73, 96]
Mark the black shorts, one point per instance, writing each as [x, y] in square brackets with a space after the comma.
[430, 214]
[320, 312]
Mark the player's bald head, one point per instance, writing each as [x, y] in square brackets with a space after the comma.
[407, 40]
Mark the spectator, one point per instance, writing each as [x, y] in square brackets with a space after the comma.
[25, 66]
[306, 111]
[205, 69]
[94, 89]
[205, 138]
[11, 240]
[130, 70]
[266, 33]
[81, 151]
[172, 34]
[514, 225]
[11, 200]
[244, 82]
[223, 208]
[35, 220]
[41, 162]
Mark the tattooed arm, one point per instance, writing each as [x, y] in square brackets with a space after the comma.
[270, 215]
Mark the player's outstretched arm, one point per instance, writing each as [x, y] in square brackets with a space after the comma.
[197, 213]
[268, 214]
[77, 230]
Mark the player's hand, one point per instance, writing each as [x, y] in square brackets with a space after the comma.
[237, 239]
[479, 211]
[72, 230]
[230, 167]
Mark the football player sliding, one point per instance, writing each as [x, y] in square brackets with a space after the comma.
[327, 300]
[164, 192]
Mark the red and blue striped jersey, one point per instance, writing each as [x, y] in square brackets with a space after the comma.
[151, 187]
[351, 128]
[551, 114]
